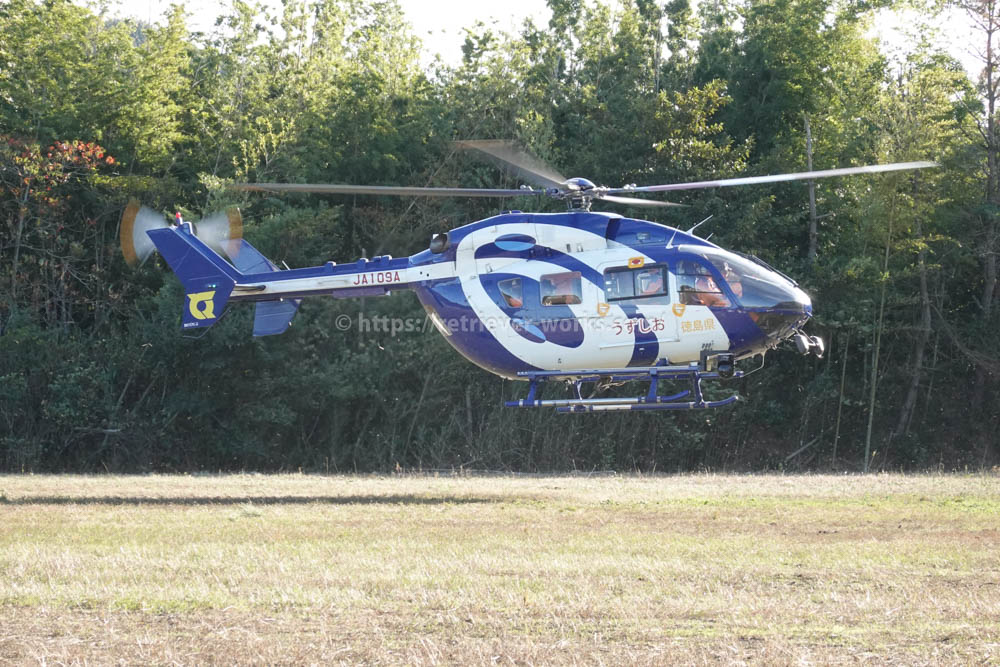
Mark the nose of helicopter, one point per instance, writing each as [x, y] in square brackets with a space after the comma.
[804, 302]
[788, 312]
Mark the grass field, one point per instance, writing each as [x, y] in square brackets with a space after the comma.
[428, 570]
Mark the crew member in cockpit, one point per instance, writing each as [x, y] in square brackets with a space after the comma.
[708, 292]
[733, 279]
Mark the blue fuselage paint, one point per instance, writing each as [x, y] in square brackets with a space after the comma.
[464, 331]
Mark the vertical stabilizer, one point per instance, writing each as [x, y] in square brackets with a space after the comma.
[207, 278]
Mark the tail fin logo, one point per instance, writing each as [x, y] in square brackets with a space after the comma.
[202, 306]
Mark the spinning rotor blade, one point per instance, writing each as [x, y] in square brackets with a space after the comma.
[631, 201]
[517, 161]
[802, 176]
[220, 230]
[529, 168]
[382, 190]
[136, 221]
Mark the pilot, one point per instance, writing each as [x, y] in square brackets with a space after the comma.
[689, 295]
[708, 292]
[733, 279]
[686, 272]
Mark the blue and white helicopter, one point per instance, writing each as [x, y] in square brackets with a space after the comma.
[580, 297]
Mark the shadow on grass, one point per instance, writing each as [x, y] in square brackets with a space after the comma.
[253, 500]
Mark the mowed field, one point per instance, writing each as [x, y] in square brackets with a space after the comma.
[528, 570]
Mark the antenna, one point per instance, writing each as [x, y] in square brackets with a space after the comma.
[691, 231]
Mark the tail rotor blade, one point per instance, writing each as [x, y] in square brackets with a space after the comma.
[217, 231]
[136, 221]
[221, 231]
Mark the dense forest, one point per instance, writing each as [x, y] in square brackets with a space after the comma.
[96, 375]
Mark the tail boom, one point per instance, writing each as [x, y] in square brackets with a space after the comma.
[376, 277]
[210, 282]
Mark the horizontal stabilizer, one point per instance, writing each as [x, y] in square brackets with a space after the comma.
[273, 317]
[270, 317]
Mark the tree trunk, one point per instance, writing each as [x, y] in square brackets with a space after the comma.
[22, 213]
[990, 270]
[840, 402]
[813, 230]
[916, 371]
[878, 338]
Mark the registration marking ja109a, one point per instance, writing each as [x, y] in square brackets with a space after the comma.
[377, 278]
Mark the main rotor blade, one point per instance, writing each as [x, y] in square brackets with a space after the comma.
[632, 201]
[518, 161]
[382, 190]
[801, 176]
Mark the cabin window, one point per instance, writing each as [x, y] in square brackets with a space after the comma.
[512, 292]
[697, 285]
[646, 285]
[559, 289]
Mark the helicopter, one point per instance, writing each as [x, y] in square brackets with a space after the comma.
[579, 297]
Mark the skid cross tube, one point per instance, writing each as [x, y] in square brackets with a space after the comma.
[651, 400]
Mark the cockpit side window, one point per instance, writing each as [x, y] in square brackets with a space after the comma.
[732, 277]
[559, 289]
[646, 285]
[697, 285]
[753, 284]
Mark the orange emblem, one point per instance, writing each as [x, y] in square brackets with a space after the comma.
[678, 309]
[603, 309]
[636, 262]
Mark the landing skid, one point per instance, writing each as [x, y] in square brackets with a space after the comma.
[609, 376]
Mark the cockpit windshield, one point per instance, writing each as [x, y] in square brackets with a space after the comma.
[752, 284]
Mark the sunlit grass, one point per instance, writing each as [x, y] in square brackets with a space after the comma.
[458, 569]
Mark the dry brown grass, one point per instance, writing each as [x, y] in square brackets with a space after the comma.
[426, 570]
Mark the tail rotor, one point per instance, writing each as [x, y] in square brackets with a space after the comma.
[136, 221]
[220, 231]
